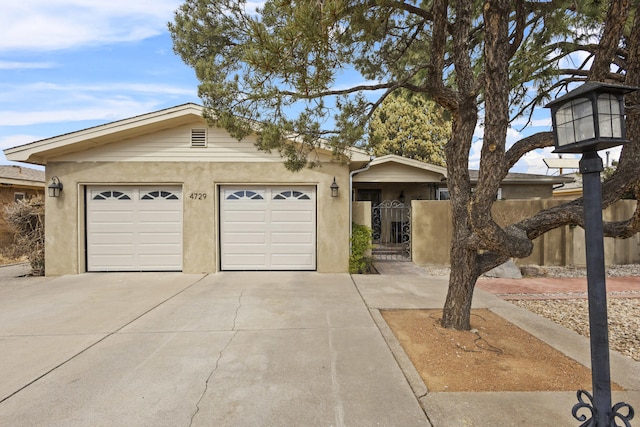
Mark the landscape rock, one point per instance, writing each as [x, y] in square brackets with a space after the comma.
[533, 271]
[508, 270]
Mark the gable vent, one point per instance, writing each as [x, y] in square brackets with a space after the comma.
[198, 137]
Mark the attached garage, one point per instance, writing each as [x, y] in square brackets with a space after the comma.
[166, 191]
[268, 228]
[134, 228]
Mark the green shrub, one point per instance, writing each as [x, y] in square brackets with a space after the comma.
[359, 262]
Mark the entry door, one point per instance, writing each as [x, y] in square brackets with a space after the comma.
[268, 228]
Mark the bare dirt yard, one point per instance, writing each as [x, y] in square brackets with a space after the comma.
[495, 356]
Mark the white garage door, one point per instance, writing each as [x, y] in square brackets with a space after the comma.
[134, 228]
[268, 228]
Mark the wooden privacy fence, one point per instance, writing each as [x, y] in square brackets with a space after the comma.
[431, 232]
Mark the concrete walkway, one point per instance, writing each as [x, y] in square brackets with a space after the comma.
[170, 349]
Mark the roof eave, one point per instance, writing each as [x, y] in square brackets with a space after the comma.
[38, 151]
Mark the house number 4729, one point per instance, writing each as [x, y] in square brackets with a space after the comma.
[198, 196]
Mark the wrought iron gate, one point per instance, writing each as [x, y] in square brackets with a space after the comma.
[391, 223]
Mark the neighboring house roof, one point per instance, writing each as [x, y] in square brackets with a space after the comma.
[38, 152]
[526, 178]
[21, 176]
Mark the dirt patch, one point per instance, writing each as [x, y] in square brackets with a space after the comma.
[495, 356]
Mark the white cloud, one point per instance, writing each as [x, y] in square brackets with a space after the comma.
[142, 88]
[60, 24]
[16, 65]
[545, 122]
[106, 110]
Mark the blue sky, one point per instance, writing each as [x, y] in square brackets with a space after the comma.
[66, 65]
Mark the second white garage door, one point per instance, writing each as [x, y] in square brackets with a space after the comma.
[268, 228]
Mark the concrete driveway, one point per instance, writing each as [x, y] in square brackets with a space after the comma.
[171, 349]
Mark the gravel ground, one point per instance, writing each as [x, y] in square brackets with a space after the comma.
[612, 271]
[624, 313]
[624, 319]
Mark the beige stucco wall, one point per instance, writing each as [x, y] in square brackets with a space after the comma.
[616, 251]
[65, 247]
[432, 230]
[361, 213]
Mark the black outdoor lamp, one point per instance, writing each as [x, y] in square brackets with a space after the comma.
[585, 120]
[334, 188]
[55, 187]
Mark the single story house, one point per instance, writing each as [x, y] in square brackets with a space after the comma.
[164, 191]
[17, 183]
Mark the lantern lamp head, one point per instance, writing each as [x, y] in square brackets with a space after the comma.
[589, 118]
[55, 187]
[334, 188]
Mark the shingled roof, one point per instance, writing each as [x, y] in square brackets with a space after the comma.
[20, 175]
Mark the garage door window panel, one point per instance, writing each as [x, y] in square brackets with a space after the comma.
[106, 195]
[245, 195]
[291, 195]
[164, 195]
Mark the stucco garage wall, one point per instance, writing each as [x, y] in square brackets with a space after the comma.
[65, 228]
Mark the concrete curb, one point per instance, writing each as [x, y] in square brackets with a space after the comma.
[411, 374]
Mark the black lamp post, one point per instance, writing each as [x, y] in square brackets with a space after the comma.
[585, 120]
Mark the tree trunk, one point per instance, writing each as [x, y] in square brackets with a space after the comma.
[457, 307]
[464, 272]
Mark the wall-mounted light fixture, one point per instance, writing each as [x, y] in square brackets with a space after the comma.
[334, 188]
[55, 187]
[401, 197]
